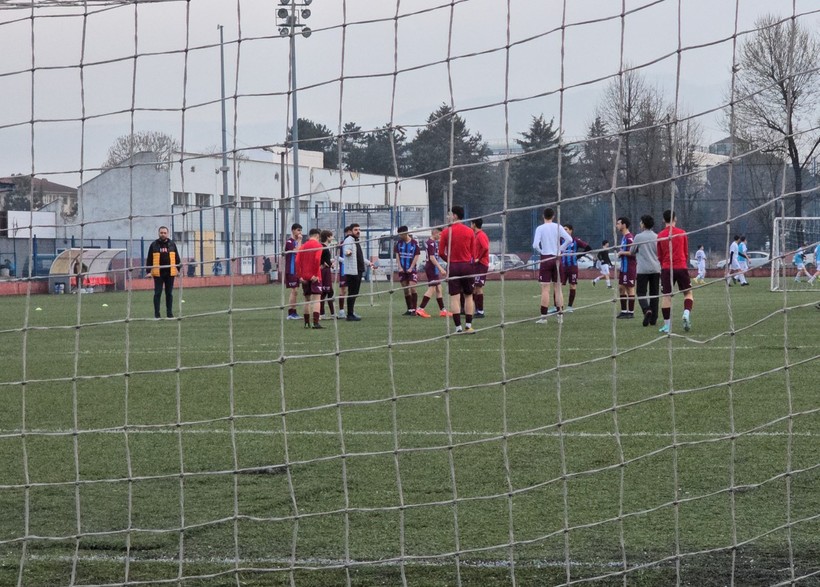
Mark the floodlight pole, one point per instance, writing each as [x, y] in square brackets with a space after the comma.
[224, 168]
[294, 133]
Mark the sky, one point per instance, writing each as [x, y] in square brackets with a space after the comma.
[71, 84]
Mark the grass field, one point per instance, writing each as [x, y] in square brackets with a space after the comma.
[232, 447]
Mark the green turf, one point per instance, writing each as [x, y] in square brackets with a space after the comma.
[210, 448]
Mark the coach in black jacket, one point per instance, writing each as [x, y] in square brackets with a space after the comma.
[164, 263]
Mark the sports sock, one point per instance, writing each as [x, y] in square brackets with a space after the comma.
[440, 303]
[414, 300]
[667, 314]
[571, 297]
[687, 305]
[424, 301]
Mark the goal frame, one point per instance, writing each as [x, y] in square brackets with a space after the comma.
[781, 254]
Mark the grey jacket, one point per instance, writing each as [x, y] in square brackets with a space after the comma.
[645, 249]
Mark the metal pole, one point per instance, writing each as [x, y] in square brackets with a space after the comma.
[224, 168]
[294, 133]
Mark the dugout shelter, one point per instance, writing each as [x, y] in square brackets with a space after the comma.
[100, 269]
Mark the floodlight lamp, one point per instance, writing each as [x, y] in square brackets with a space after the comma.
[284, 2]
[306, 13]
[282, 13]
[307, 2]
[284, 31]
[306, 32]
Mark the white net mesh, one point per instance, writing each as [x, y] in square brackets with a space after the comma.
[235, 445]
[794, 236]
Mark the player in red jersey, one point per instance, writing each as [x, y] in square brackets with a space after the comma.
[309, 270]
[673, 253]
[456, 247]
[291, 276]
[481, 256]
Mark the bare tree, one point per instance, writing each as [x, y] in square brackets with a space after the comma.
[127, 145]
[690, 183]
[636, 111]
[777, 90]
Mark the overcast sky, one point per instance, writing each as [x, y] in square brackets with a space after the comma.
[367, 61]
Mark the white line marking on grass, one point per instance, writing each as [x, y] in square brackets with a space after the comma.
[469, 433]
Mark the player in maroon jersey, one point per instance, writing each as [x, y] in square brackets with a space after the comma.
[309, 270]
[628, 269]
[291, 277]
[434, 272]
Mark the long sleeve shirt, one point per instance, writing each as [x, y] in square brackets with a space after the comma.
[547, 239]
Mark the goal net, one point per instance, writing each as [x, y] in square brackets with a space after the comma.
[794, 236]
[213, 431]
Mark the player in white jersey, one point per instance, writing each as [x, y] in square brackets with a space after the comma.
[700, 260]
[735, 271]
[548, 240]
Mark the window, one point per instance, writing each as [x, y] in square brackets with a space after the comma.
[203, 200]
[246, 202]
[230, 200]
[267, 238]
[266, 203]
[180, 199]
[303, 205]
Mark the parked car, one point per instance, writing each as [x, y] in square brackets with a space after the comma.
[505, 262]
[756, 259]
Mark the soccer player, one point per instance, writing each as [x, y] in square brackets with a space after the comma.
[434, 272]
[326, 238]
[673, 253]
[456, 246]
[164, 263]
[813, 278]
[799, 261]
[735, 271]
[569, 264]
[648, 270]
[547, 240]
[291, 278]
[309, 270]
[407, 253]
[342, 277]
[743, 257]
[481, 257]
[628, 269]
[700, 259]
[603, 262]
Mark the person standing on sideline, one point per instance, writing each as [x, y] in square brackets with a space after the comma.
[481, 257]
[700, 260]
[340, 268]
[291, 277]
[547, 241]
[164, 263]
[604, 264]
[649, 270]
[326, 238]
[309, 270]
[673, 253]
[217, 268]
[354, 269]
[456, 246]
[407, 253]
[569, 264]
[434, 272]
[628, 270]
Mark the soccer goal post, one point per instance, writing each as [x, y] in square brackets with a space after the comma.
[794, 236]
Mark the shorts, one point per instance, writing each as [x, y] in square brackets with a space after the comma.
[327, 280]
[548, 271]
[569, 273]
[627, 278]
[461, 279]
[342, 280]
[291, 281]
[407, 276]
[312, 288]
[433, 275]
[604, 268]
[480, 271]
[672, 276]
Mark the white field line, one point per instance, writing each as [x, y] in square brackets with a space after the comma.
[387, 433]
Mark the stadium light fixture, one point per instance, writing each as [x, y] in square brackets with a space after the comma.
[290, 20]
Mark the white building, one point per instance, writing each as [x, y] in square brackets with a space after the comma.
[128, 203]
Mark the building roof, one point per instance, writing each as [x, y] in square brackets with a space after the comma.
[43, 185]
